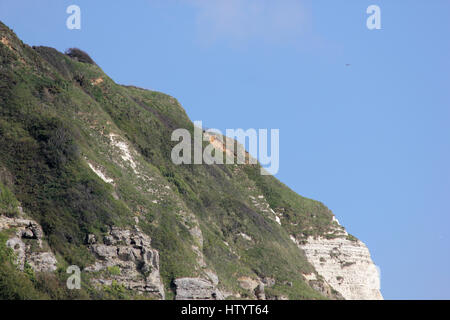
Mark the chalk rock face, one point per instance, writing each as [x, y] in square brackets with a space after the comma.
[42, 261]
[196, 289]
[346, 265]
[126, 256]
[27, 244]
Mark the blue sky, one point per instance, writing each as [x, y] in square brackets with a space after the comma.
[371, 140]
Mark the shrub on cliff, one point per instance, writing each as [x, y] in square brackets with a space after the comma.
[79, 55]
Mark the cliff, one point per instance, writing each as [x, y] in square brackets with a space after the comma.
[86, 179]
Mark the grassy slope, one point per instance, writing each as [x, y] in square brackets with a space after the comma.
[52, 118]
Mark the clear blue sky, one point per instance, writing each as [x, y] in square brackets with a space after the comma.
[372, 140]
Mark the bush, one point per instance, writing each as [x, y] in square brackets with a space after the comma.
[79, 55]
[117, 291]
[114, 270]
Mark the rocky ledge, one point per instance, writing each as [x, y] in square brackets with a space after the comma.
[28, 245]
[126, 256]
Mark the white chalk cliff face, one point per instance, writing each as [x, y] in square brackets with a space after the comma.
[345, 264]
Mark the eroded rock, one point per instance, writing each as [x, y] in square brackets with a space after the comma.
[259, 292]
[256, 286]
[126, 256]
[345, 265]
[248, 283]
[27, 244]
[196, 289]
[42, 261]
[91, 239]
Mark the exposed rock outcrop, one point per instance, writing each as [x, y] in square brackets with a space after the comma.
[28, 245]
[196, 289]
[345, 264]
[259, 292]
[257, 286]
[126, 256]
[248, 283]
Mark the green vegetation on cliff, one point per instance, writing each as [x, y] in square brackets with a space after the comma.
[60, 115]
